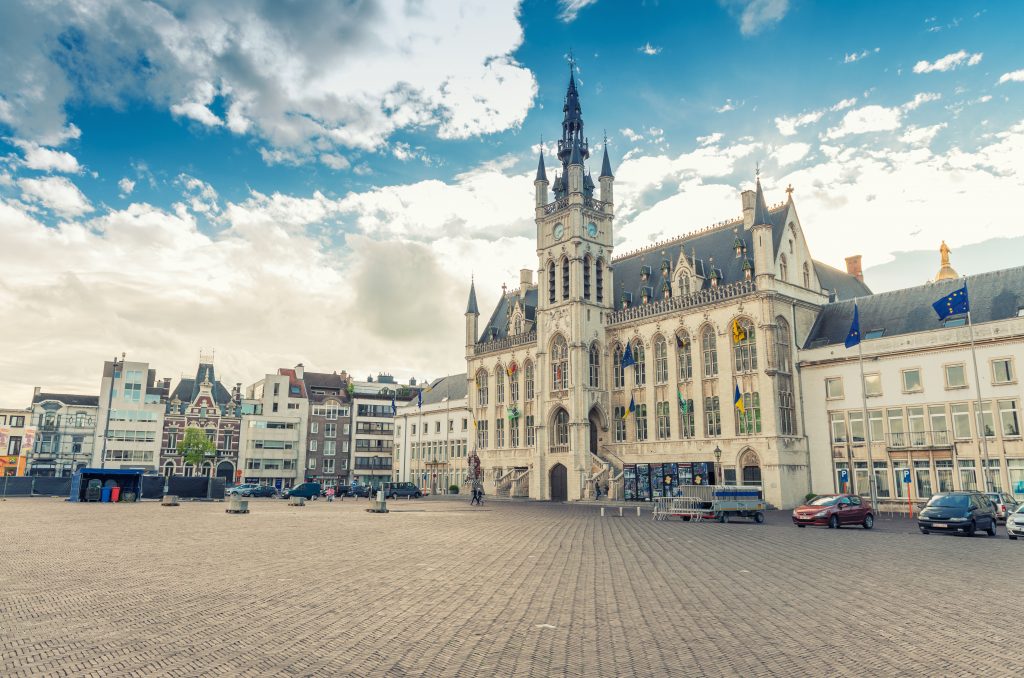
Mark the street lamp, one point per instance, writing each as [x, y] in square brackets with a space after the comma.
[718, 465]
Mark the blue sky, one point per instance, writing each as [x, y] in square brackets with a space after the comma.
[317, 184]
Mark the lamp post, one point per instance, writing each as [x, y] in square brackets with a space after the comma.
[718, 466]
[110, 400]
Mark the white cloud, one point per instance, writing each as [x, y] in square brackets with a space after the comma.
[949, 62]
[570, 8]
[335, 161]
[649, 49]
[305, 81]
[921, 98]
[57, 194]
[857, 56]
[756, 15]
[1012, 76]
[202, 197]
[126, 185]
[631, 135]
[922, 136]
[787, 126]
[710, 139]
[729, 105]
[791, 153]
[875, 118]
[845, 103]
[46, 159]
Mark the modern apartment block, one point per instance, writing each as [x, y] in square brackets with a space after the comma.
[130, 416]
[373, 436]
[431, 442]
[275, 414]
[65, 437]
[329, 431]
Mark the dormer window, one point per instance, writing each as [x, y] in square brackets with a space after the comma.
[748, 269]
[665, 268]
[645, 273]
[627, 299]
[666, 290]
[646, 294]
[715, 276]
[739, 246]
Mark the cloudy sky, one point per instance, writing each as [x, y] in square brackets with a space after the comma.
[289, 182]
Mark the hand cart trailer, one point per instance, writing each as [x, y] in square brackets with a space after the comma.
[712, 502]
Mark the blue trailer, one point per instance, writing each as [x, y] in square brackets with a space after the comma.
[128, 479]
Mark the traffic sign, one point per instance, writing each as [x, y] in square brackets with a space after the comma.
[844, 475]
[906, 476]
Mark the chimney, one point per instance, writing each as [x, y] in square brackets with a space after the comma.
[36, 391]
[748, 198]
[299, 371]
[853, 267]
[525, 278]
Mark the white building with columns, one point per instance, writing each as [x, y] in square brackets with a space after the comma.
[432, 440]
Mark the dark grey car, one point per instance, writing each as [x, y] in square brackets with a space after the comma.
[396, 490]
[962, 512]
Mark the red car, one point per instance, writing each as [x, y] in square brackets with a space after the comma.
[835, 510]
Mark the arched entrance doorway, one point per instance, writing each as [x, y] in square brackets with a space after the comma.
[559, 483]
[226, 471]
[596, 425]
[750, 468]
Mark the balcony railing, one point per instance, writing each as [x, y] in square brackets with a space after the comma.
[919, 440]
[700, 298]
[560, 449]
[507, 342]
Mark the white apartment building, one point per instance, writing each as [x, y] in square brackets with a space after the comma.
[431, 442]
[272, 444]
[922, 402]
[65, 425]
[373, 426]
[130, 417]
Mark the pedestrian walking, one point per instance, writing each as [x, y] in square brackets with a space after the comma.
[330, 494]
[597, 490]
[477, 494]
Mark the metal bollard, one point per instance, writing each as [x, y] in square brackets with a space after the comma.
[637, 511]
[620, 511]
[602, 512]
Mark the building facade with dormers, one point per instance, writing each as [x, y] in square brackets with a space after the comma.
[703, 315]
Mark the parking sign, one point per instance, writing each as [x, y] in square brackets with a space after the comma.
[906, 476]
[844, 475]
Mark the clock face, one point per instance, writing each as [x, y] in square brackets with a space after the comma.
[592, 229]
[559, 231]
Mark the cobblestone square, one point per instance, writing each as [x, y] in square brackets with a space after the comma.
[439, 588]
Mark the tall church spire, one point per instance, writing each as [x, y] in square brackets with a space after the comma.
[572, 123]
[471, 307]
[760, 208]
[542, 175]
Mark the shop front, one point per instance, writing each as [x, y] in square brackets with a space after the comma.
[645, 482]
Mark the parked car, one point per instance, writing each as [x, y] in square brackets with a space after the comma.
[306, 490]
[835, 510]
[354, 490]
[1015, 523]
[242, 489]
[963, 512]
[396, 490]
[1005, 504]
[261, 491]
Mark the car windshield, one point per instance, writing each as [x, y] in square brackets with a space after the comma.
[1020, 509]
[949, 500]
[824, 501]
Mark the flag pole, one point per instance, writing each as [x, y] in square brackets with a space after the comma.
[872, 485]
[980, 421]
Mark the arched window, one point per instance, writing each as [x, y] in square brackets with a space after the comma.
[807, 275]
[660, 360]
[586, 276]
[640, 369]
[783, 269]
[618, 378]
[518, 326]
[499, 383]
[783, 346]
[559, 364]
[784, 380]
[551, 282]
[744, 345]
[599, 275]
[528, 379]
[481, 387]
[709, 351]
[168, 469]
[683, 357]
[595, 365]
[565, 278]
[513, 382]
[683, 285]
[750, 467]
[561, 427]
[748, 422]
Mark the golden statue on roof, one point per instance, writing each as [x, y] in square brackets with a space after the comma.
[946, 272]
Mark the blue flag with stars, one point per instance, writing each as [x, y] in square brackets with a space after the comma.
[853, 336]
[627, 357]
[954, 303]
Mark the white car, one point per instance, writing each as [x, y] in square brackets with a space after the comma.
[1015, 523]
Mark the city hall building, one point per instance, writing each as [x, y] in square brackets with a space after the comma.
[705, 315]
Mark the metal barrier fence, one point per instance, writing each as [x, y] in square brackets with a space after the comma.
[153, 487]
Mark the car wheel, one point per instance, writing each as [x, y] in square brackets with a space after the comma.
[393, 496]
[869, 521]
[759, 517]
[992, 528]
[801, 526]
[923, 531]
[417, 495]
[833, 522]
[970, 530]
[1011, 537]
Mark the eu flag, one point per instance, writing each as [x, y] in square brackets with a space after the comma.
[853, 336]
[627, 357]
[954, 303]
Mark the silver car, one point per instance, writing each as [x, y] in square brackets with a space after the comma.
[1015, 524]
[1005, 504]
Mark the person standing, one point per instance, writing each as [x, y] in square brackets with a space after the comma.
[597, 490]
[330, 494]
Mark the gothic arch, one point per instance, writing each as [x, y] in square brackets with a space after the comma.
[598, 415]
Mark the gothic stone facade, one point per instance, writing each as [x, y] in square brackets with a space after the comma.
[703, 314]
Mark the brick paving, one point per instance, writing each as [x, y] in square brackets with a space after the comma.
[438, 588]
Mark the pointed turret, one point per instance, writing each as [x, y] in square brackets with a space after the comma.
[540, 184]
[471, 306]
[542, 175]
[606, 164]
[760, 208]
[575, 158]
[472, 319]
[763, 241]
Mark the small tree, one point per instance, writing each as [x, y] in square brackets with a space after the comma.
[194, 448]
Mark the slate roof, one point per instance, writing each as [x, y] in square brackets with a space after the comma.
[471, 306]
[452, 387]
[69, 399]
[606, 164]
[996, 295]
[499, 319]
[324, 380]
[840, 283]
[187, 389]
